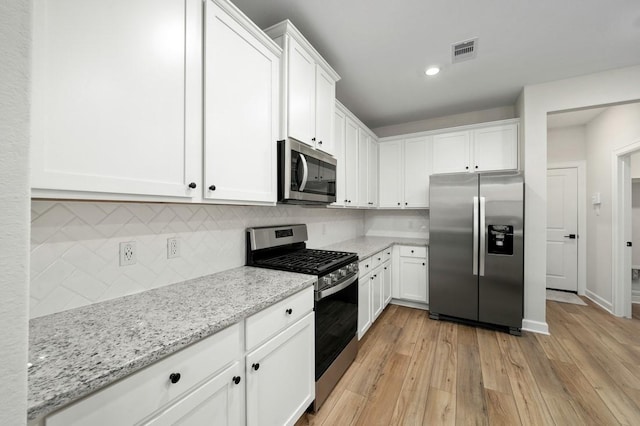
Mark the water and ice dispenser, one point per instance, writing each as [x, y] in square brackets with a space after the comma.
[501, 239]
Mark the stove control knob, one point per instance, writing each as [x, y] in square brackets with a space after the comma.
[334, 276]
[326, 280]
[343, 272]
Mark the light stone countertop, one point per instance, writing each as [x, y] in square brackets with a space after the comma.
[368, 246]
[76, 352]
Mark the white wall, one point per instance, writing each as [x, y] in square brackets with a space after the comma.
[474, 117]
[14, 208]
[566, 144]
[397, 223]
[619, 85]
[635, 219]
[75, 245]
[614, 128]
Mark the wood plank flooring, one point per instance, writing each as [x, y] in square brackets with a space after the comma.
[411, 370]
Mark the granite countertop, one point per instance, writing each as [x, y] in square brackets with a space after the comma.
[76, 352]
[368, 246]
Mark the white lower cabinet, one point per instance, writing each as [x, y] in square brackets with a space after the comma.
[386, 282]
[218, 401]
[213, 381]
[364, 304]
[377, 297]
[280, 376]
[413, 275]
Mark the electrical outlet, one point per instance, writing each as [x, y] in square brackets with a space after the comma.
[128, 253]
[173, 248]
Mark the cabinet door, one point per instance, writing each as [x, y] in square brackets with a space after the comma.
[377, 296]
[241, 112]
[280, 376]
[352, 162]
[451, 152]
[495, 148]
[373, 173]
[325, 111]
[413, 279]
[364, 305]
[116, 105]
[301, 94]
[219, 401]
[386, 283]
[417, 169]
[339, 142]
[390, 174]
[363, 169]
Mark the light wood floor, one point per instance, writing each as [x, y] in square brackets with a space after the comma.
[411, 370]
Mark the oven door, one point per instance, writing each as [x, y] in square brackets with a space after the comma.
[336, 321]
[306, 176]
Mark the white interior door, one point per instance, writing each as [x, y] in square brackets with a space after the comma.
[562, 224]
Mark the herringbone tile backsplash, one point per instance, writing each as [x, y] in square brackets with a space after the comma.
[75, 245]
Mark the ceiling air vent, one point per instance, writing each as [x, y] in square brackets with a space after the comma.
[464, 50]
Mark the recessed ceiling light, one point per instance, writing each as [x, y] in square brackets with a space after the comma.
[432, 71]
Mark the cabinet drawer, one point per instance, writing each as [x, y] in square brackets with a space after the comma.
[270, 321]
[411, 251]
[365, 266]
[377, 259]
[144, 392]
[386, 254]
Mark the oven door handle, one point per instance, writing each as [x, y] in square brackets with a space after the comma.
[305, 173]
[332, 290]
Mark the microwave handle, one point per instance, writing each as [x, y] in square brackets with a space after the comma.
[305, 173]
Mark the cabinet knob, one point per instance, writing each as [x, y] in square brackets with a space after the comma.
[371, 277]
[476, 167]
[346, 201]
[256, 366]
[319, 142]
[174, 378]
[379, 258]
[289, 311]
[313, 139]
[366, 266]
[236, 379]
[423, 264]
[406, 204]
[398, 203]
[192, 185]
[466, 167]
[385, 268]
[389, 253]
[212, 188]
[411, 251]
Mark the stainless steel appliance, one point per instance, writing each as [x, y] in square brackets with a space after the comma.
[336, 295]
[476, 247]
[305, 175]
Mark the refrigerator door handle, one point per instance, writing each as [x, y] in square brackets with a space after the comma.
[475, 235]
[483, 234]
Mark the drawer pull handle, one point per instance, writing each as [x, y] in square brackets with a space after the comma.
[174, 378]
[236, 379]
[256, 366]
[289, 311]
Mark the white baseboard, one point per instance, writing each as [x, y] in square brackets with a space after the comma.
[410, 304]
[535, 326]
[607, 306]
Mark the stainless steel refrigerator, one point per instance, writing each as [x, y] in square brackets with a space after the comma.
[476, 248]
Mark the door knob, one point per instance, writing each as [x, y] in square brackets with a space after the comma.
[571, 236]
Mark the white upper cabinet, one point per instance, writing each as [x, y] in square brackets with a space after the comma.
[309, 85]
[241, 109]
[451, 152]
[340, 125]
[363, 169]
[417, 169]
[301, 90]
[485, 148]
[352, 163]
[325, 110]
[495, 148]
[116, 98]
[405, 167]
[372, 178]
[391, 174]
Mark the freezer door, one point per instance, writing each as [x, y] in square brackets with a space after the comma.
[453, 279]
[501, 283]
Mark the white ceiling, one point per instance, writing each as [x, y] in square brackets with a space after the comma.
[381, 48]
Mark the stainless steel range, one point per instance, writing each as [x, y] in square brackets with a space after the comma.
[336, 295]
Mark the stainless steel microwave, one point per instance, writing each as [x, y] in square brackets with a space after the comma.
[305, 175]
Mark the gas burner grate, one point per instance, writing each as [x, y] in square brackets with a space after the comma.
[306, 260]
